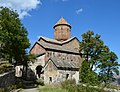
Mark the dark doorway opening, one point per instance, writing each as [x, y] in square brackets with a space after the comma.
[39, 70]
[67, 75]
[50, 79]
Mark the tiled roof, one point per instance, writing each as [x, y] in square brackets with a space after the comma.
[55, 41]
[62, 21]
[53, 44]
[50, 40]
[65, 64]
[47, 45]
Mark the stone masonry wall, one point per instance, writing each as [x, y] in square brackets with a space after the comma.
[58, 75]
[74, 44]
[7, 79]
[62, 33]
[37, 49]
[64, 56]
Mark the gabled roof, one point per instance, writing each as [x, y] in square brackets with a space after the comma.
[64, 64]
[56, 47]
[62, 21]
[49, 40]
[55, 41]
[53, 44]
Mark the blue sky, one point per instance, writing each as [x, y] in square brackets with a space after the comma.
[100, 16]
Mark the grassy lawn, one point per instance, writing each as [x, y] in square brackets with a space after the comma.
[51, 89]
[70, 86]
[70, 89]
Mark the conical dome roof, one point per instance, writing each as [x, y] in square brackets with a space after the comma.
[62, 21]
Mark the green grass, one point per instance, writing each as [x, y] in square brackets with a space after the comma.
[52, 89]
[69, 86]
[70, 89]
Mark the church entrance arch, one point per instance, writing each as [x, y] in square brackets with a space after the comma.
[39, 70]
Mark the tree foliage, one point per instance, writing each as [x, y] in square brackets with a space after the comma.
[13, 36]
[86, 75]
[108, 67]
[96, 56]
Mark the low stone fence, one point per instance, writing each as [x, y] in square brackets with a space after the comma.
[7, 79]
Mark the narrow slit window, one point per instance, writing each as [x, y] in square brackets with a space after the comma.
[67, 75]
[50, 78]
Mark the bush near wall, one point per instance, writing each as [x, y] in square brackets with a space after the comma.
[70, 86]
[5, 67]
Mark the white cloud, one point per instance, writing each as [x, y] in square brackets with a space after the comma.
[23, 13]
[79, 11]
[22, 6]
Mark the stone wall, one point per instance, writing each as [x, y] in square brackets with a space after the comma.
[40, 61]
[50, 72]
[37, 49]
[7, 79]
[64, 56]
[72, 44]
[53, 75]
[62, 32]
[67, 74]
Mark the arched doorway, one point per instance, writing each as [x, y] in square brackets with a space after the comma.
[39, 70]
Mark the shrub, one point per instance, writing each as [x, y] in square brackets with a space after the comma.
[5, 67]
[66, 83]
[70, 86]
[10, 88]
[1, 89]
[40, 83]
[20, 85]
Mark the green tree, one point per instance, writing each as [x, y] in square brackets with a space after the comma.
[96, 56]
[91, 48]
[13, 36]
[86, 75]
[108, 67]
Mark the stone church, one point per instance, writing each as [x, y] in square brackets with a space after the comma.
[59, 57]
